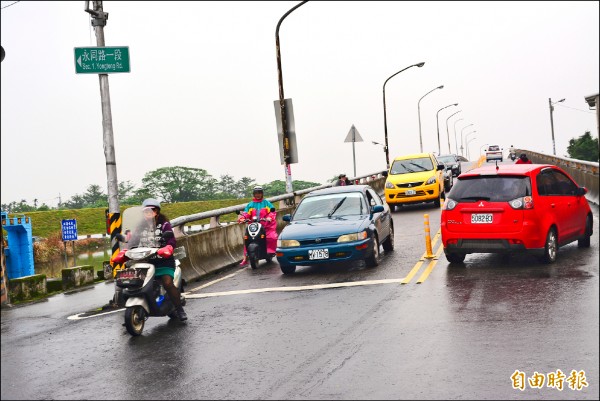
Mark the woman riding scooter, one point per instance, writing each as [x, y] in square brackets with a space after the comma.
[261, 208]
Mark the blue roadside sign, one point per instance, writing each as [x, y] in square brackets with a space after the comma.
[69, 230]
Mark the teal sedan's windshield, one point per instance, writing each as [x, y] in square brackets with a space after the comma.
[411, 165]
[331, 205]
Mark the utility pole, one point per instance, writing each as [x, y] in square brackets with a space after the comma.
[99, 18]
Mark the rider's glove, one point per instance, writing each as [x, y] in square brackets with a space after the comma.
[120, 258]
[165, 252]
[268, 219]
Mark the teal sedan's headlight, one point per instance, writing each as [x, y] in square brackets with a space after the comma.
[431, 180]
[287, 243]
[352, 237]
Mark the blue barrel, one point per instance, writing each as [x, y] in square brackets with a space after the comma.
[19, 253]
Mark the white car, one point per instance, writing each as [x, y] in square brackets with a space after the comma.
[493, 152]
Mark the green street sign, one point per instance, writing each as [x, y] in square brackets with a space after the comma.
[101, 60]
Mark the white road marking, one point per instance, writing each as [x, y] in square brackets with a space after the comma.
[300, 288]
[79, 317]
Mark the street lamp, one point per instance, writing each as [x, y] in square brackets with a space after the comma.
[387, 152]
[461, 138]
[455, 143]
[437, 121]
[419, 111]
[551, 104]
[284, 131]
[467, 136]
[448, 133]
[469, 141]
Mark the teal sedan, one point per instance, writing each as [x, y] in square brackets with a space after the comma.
[337, 224]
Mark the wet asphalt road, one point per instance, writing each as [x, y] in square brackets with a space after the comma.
[336, 332]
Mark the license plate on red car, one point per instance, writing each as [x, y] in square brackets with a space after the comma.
[482, 218]
[315, 254]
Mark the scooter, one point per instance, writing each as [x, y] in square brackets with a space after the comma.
[255, 240]
[144, 294]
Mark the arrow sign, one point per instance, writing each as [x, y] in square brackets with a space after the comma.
[353, 135]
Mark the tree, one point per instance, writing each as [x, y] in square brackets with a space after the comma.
[95, 197]
[179, 184]
[583, 148]
[277, 187]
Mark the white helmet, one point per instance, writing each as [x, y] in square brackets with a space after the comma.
[151, 202]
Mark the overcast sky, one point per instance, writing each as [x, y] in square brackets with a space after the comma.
[204, 77]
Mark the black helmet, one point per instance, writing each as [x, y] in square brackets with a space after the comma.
[523, 156]
[341, 175]
[151, 202]
[257, 189]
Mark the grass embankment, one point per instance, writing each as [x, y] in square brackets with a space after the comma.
[90, 221]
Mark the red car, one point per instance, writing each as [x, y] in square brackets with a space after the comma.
[515, 207]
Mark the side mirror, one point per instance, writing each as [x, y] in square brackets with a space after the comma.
[287, 217]
[581, 191]
[384, 173]
[377, 209]
[440, 166]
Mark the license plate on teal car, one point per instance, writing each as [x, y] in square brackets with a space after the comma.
[316, 254]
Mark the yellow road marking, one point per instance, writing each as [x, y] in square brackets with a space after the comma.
[430, 266]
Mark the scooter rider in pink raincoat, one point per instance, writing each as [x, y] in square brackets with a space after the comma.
[262, 208]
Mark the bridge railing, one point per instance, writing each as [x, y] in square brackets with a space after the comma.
[585, 173]
[219, 245]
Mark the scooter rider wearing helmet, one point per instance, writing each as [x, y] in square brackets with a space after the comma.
[149, 233]
[261, 208]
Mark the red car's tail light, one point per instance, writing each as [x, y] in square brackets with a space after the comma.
[449, 204]
[525, 202]
[452, 241]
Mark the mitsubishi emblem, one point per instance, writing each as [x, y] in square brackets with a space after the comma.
[318, 240]
[480, 204]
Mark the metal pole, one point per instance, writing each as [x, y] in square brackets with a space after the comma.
[286, 137]
[456, 143]
[552, 125]
[99, 18]
[437, 121]
[386, 149]
[419, 112]
[447, 132]
[461, 138]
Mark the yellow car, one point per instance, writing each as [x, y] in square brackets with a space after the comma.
[415, 178]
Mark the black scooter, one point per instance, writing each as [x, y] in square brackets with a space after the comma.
[255, 240]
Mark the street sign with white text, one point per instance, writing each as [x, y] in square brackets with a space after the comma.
[101, 60]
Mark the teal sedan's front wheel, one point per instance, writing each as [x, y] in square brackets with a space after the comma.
[373, 259]
[288, 269]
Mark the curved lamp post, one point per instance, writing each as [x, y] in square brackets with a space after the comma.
[461, 138]
[468, 142]
[455, 143]
[386, 148]
[285, 134]
[466, 137]
[419, 111]
[551, 104]
[448, 133]
[437, 121]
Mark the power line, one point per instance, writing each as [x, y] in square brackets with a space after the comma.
[585, 111]
[2, 8]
